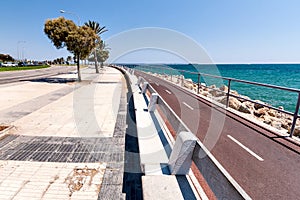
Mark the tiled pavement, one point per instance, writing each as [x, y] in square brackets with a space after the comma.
[50, 167]
[46, 180]
[57, 149]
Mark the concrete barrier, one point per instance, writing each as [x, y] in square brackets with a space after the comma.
[144, 88]
[153, 102]
[181, 157]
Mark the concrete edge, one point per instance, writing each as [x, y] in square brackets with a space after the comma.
[192, 180]
[6, 131]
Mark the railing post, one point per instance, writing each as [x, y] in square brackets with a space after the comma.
[295, 116]
[199, 83]
[228, 93]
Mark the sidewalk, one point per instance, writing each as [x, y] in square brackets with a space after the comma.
[68, 140]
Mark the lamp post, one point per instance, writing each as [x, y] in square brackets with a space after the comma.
[63, 11]
[18, 48]
[23, 54]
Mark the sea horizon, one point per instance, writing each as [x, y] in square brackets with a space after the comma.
[278, 74]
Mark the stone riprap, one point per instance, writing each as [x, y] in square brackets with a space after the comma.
[271, 118]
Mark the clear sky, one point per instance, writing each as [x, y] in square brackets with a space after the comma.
[231, 31]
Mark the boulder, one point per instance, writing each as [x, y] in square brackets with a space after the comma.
[261, 112]
[267, 120]
[205, 93]
[188, 80]
[212, 87]
[245, 97]
[276, 124]
[224, 88]
[244, 109]
[234, 92]
[258, 114]
[272, 113]
[297, 131]
[188, 85]
[250, 105]
[285, 125]
[233, 102]
[216, 93]
[258, 106]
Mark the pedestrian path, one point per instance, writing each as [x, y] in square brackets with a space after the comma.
[65, 144]
[88, 111]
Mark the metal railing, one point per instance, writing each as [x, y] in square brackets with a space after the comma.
[206, 163]
[228, 94]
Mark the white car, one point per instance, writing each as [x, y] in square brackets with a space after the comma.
[9, 64]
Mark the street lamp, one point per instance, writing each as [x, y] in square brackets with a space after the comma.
[63, 11]
[23, 54]
[18, 48]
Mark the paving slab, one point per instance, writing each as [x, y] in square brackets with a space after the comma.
[89, 111]
[55, 148]
[46, 180]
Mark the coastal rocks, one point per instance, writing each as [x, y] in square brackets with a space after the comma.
[233, 102]
[257, 111]
[216, 93]
[297, 131]
[260, 112]
[224, 88]
[244, 109]
[258, 106]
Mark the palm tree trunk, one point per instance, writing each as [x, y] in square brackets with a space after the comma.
[96, 61]
[78, 68]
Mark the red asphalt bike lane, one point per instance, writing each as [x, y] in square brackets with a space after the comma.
[272, 174]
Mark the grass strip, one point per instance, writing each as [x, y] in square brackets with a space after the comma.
[17, 68]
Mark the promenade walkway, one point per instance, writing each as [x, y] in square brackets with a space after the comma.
[68, 139]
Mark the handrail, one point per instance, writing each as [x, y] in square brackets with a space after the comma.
[232, 79]
[228, 94]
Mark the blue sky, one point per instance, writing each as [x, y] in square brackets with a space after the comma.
[231, 31]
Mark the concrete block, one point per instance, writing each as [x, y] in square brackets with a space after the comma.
[161, 187]
[139, 80]
[153, 102]
[181, 157]
[144, 88]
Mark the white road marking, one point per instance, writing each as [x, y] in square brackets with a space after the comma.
[167, 91]
[246, 148]
[157, 84]
[187, 105]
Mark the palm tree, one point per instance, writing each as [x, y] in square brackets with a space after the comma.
[98, 30]
[103, 52]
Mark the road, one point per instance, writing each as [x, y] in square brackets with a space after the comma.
[265, 165]
[14, 76]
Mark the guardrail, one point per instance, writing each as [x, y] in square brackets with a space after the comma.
[219, 180]
[228, 94]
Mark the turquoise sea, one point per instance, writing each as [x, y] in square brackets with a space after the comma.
[286, 75]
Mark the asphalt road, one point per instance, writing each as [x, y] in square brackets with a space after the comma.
[14, 76]
[265, 165]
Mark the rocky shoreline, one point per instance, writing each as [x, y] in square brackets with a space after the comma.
[255, 111]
